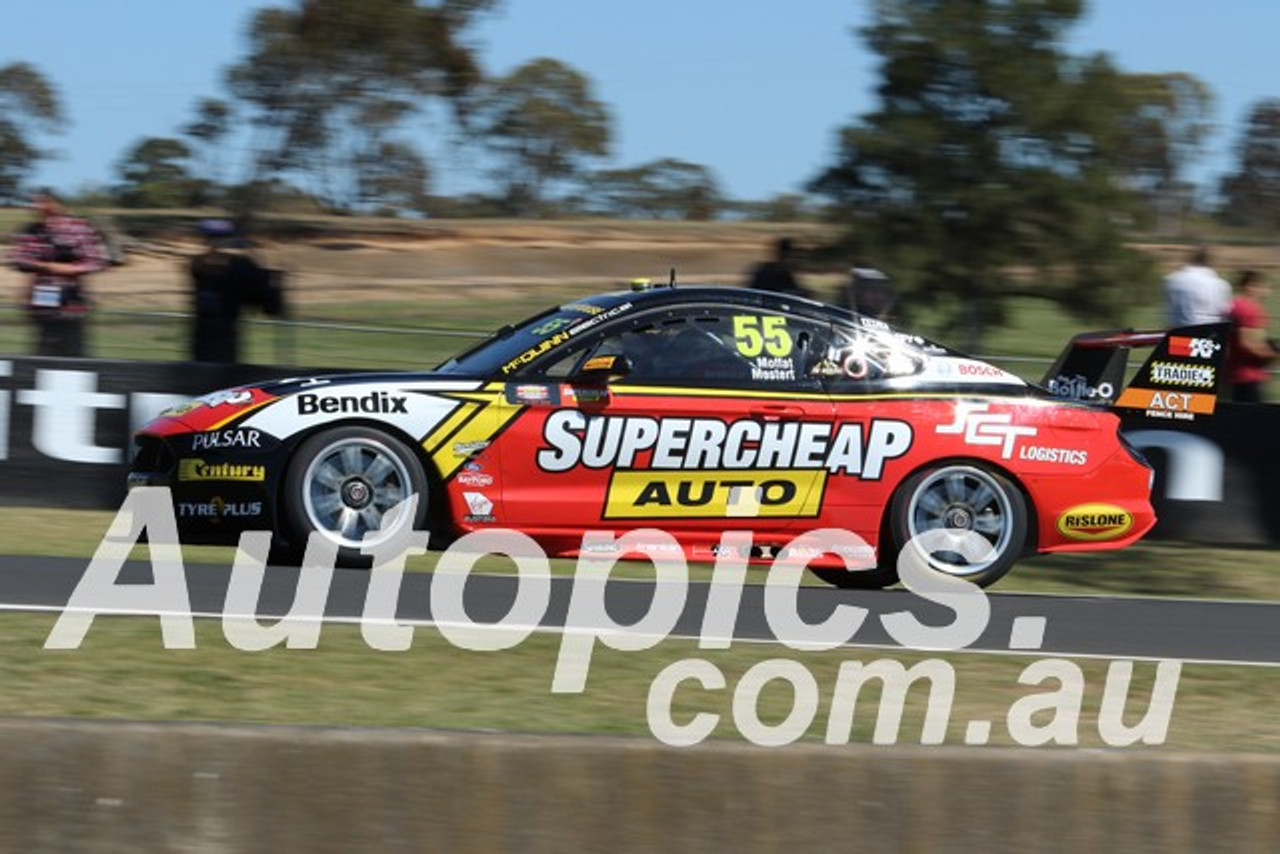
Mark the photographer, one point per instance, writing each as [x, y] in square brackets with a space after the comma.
[58, 251]
[225, 279]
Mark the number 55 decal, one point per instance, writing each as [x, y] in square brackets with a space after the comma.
[756, 335]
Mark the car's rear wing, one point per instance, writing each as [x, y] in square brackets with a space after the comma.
[1179, 380]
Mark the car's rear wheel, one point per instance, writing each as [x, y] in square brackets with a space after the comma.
[947, 504]
[342, 483]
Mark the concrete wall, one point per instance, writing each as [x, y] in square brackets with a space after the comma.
[117, 787]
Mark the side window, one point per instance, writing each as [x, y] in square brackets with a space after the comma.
[860, 357]
[718, 347]
[683, 348]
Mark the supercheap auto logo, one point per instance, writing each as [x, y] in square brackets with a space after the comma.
[574, 439]
[705, 468]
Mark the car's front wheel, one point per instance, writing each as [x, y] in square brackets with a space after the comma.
[966, 519]
[342, 483]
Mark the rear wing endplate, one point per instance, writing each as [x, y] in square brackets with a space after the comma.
[1179, 380]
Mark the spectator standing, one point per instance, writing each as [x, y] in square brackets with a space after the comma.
[58, 251]
[1195, 293]
[776, 274]
[1250, 351]
[224, 278]
[869, 292]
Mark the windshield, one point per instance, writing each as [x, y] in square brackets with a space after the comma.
[512, 347]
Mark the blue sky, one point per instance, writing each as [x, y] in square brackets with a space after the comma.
[753, 89]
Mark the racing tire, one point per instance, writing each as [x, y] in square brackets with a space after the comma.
[342, 482]
[962, 497]
[882, 576]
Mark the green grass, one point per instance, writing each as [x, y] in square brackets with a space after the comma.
[123, 671]
[1150, 568]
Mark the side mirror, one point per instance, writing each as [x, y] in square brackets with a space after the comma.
[602, 370]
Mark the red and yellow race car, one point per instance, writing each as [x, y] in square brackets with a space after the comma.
[694, 410]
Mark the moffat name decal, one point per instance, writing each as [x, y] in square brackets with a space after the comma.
[1095, 522]
[709, 444]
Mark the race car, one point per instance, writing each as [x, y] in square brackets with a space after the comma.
[691, 410]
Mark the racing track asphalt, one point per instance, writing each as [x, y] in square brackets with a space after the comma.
[1110, 627]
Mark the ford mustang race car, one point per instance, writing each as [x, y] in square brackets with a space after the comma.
[693, 410]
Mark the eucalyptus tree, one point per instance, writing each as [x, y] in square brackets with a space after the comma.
[328, 83]
[29, 108]
[993, 165]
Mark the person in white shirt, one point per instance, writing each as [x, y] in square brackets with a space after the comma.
[1196, 294]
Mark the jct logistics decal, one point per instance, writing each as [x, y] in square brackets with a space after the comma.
[710, 468]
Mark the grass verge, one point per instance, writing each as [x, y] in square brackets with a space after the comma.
[1151, 568]
[123, 671]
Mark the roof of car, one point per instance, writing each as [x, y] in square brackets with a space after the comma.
[654, 296]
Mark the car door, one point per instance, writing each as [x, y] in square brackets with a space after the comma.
[690, 418]
[870, 372]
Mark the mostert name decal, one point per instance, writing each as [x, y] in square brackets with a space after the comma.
[707, 444]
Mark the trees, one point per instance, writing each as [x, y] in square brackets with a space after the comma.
[328, 82]
[661, 189]
[209, 131]
[544, 123]
[1164, 129]
[154, 174]
[990, 168]
[1251, 194]
[29, 106]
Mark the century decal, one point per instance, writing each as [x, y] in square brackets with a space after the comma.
[708, 444]
[195, 469]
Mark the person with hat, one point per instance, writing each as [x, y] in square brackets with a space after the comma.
[224, 278]
[58, 251]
